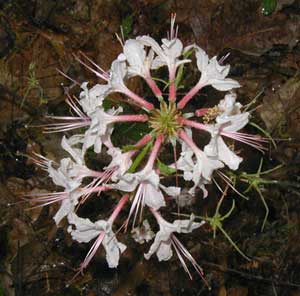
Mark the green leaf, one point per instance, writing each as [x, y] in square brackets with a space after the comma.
[139, 158]
[127, 25]
[268, 6]
[127, 148]
[107, 104]
[164, 169]
[180, 70]
[267, 134]
[129, 130]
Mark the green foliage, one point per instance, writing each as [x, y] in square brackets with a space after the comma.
[33, 83]
[255, 182]
[107, 104]
[164, 169]
[268, 6]
[1, 290]
[181, 68]
[127, 25]
[140, 158]
[216, 223]
[130, 131]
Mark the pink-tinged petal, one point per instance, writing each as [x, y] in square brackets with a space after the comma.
[227, 156]
[224, 84]
[153, 197]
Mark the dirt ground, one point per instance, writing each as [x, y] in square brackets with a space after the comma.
[39, 36]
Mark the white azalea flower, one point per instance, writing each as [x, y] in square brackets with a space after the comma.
[139, 62]
[92, 98]
[162, 244]
[69, 145]
[142, 233]
[67, 205]
[66, 174]
[100, 129]
[212, 73]
[196, 165]
[229, 121]
[121, 162]
[148, 192]
[168, 54]
[85, 231]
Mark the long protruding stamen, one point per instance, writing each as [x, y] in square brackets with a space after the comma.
[93, 187]
[189, 95]
[229, 183]
[66, 76]
[102, 74]
[45, 199]
[173, 33]
[68, 122]
[40, 160]
[180, 249]
[64, 126]
[251, 140]
[73, 103]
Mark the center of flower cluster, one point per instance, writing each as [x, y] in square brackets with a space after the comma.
[165, 120]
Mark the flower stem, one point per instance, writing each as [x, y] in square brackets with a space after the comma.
[154, 151]
[124, 118]
[118, 208]
[192, 123]
[172, 87]
[152, 84]
[138, 99]
[189, 95]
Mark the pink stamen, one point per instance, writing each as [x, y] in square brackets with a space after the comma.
[72, 103]
[95, 186]
[68, 77]
[41, 161]
[46, 198]
[64, 126]
[137, 205]
[181, 252]
[251, 140]
[68, 122]
[223, 58]
[228, 182]
[99, 72]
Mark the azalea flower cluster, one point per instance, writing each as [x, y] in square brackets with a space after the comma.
[141, 183]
